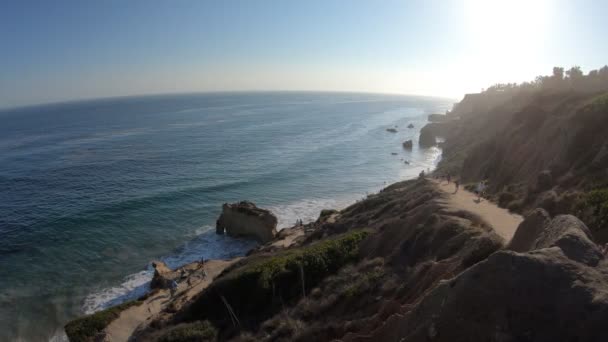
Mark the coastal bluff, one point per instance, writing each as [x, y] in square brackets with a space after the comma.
[245, 219]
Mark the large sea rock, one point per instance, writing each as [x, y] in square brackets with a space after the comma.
[245, 219]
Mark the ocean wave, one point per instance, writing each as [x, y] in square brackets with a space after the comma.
[204, 243]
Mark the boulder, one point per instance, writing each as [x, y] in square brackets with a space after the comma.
[430, 132]
[529, 230]
[410, 126]
[162, 275]
[408, 144]
[573, 237]
[247, 220]
[541, 296]
[391, 130]
[544, 180]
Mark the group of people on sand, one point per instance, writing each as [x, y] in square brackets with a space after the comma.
[183, 275]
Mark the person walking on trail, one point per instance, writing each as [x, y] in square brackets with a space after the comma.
[173, 287]
[480, 188]
[457, 183]
[449, 178]
[203, 268]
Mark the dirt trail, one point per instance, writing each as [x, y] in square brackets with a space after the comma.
[502, 221]
[129, 320]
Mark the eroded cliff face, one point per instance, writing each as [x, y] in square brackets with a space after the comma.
[245, 219]
[544, 150]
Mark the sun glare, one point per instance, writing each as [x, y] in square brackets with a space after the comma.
[508, 34]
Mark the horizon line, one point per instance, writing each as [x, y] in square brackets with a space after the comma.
[111, 97]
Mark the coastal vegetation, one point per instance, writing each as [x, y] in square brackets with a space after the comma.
[263, 285]
[200, 331]
[87, 327]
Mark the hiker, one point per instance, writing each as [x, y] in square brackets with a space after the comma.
[457, 183]
[480, 188]
[203, 267]
[173, 287]
[449, 178]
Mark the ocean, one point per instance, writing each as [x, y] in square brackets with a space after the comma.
[92, 191]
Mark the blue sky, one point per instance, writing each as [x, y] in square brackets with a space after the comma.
[62, 50]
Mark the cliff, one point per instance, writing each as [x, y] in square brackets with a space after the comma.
[546, 150]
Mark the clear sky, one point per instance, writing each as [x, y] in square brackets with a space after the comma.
[62, 50]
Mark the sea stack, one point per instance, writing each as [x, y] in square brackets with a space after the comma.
[245, 219]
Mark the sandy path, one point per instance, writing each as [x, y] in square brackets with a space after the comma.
[129, 320]
[502, 221]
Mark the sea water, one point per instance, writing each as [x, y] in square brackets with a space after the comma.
[92, 191]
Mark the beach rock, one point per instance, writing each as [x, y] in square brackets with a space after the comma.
[410, 126]
[391, 130]
[162, 275]
[427, 138]
[394, 153]
[408, 144]
[246, 219]
[545, 180]
[529, 230]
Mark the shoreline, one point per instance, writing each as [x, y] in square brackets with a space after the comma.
[284, 242]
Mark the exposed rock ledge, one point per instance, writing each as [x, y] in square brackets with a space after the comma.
[246, 219]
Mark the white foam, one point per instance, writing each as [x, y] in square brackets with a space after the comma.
[308, 210]
[205, 243]
[134, 286]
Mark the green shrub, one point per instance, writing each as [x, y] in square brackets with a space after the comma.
[190, 332]
[595, 203]
[265, 284]
[86, 327]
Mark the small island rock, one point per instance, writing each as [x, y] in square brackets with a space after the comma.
[246, 219]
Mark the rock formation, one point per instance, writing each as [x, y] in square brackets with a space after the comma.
[430, 132]
[247, 220]
[408, 144]
[410, 126]
[437, 117]
[391, 130]
[555, 292]
[529, 230]
[162, 275]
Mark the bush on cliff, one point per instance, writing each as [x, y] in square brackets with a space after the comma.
[252, 292]
[593, 207]
[190, 332]
[87, 327]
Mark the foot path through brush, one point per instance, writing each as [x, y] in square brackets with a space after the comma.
[501, 220]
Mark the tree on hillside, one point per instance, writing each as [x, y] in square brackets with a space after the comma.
[558, 73]
[574, 73]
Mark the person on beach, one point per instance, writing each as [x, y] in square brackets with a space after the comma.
[173, 287]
